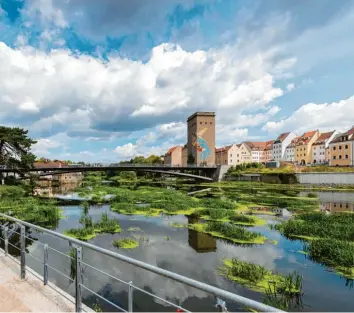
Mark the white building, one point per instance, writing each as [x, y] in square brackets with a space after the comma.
[280, 145]
[320, 152]
[257, 151]
[290, 150]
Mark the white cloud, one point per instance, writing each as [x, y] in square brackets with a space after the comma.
[78, 93]
[43, 146]
[326, 116]
[290, 87]
[128, 150]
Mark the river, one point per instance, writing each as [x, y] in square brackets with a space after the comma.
[191, 254]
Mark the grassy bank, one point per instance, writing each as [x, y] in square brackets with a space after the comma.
[126, 243]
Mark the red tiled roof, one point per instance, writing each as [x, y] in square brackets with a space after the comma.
[323, 138]
[223, 149]
[256, 145]
[348, 134]
[282, 137]
[169, 152]
[269, 145]
[306, 137]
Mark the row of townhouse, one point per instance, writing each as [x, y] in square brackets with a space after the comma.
[313, 147]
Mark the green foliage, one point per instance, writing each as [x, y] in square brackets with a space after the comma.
[312, 195]
[232, 231]
[335, 226]
[15, 148]
[11, 192]
[331, 252]
[107, 225]
[249, 271]
[126, 243]
[128, 175]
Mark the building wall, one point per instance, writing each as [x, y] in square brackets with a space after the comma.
[245, 154]
[201, 137]
[304, 152]
[268, 155]
[279, 148]
[68, 178]
[175, 158]
[290, 154]
[325, 178]
[341, 153]
[319, 154]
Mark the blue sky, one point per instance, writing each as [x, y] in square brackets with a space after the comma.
[107, 80]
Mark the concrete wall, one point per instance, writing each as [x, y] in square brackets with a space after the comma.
[326, 178]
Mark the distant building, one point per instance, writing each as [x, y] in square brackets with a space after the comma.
[268, 150]
[229, 155]
[303, 153]
[245, 153]
[280, 145]
[258, 154]
[320, 148]
[66, 178]
[341, 149]
[290, 150]
[174, 156]
[201, 137]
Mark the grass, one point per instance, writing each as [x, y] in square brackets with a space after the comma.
[330, 239]
[333, 253]
[230, 232]
[177, 225]
[90, 229]
[258, 278]
[126, 243]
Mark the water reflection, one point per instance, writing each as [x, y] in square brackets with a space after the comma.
[201, 242]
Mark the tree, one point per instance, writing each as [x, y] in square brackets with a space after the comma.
[15, 147]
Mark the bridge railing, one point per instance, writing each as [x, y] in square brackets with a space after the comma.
[220, 294]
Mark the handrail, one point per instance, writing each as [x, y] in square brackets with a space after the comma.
[223, 294]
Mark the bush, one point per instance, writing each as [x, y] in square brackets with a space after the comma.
[129, 175]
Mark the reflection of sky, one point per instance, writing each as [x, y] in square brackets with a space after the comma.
[324, 291]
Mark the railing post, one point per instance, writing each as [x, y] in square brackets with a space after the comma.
[23, 252]
[78, 280]
[45, 264]
[6, 240]
[130, 297]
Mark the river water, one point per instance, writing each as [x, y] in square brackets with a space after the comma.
[192, 254]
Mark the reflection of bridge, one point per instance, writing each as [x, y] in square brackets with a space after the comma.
[202, 172]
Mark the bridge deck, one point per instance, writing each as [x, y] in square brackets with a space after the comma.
[29, 295]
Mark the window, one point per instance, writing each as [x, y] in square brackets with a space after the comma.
[346, 146]
[231, 160]
[340, 205]
[335, 205]
[334, 148]
[347, 206]
[340, 157]
[231, 155]
[334, 157]
[340, 147]
[346, 156]
[211, 123]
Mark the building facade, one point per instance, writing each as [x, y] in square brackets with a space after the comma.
[258, 154]
[280, 145]
[174, 156]
[303, 152]
[290, 150]
[201, 137]
[229, 155]
[320, 148]
[341, 149]
[268, 150]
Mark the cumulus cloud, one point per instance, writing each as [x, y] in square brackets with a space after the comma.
[63, 91]
[43, 146]
[326, 116]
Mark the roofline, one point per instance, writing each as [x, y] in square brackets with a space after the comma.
[201, 114]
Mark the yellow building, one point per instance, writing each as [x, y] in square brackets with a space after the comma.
[303, 150]
[341, 149]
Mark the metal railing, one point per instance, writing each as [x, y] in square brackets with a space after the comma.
[79, 263]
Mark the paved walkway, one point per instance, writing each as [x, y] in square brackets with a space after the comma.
[29, 295]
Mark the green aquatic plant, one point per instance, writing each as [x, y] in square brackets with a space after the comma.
[177, 225]
[107, 225]
[126, 243]
[81, 233]
[333, 253]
